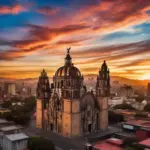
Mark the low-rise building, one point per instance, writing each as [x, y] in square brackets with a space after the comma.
[140, 127]
[145, 144]
[115, 101]
[4, 110]
[109, 144]
[11, 129]
[15, 141]
[4, 123]
[138, 105]
[126, 91]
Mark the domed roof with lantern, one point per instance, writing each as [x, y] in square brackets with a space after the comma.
[68, 69]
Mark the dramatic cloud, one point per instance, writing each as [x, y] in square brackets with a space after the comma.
[40, 38]
[139, 62]
[97, 30]
[115, 52]
[47, 10]
[14, 9]
[113, 15]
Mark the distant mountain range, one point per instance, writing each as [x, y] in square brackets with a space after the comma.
[90, 80]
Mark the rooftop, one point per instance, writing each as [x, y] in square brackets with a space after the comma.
[3, 121]
[109, 144]
[15, 137]
[115, 141]
[141, 123]
[9, 128]
[126, 134]
[145, 143]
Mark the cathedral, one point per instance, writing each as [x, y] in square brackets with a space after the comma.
[66, 107]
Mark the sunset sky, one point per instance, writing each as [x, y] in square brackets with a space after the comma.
[34, 34]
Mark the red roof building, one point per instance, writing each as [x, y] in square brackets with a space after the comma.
[145, 143]
[109, 144]
[140, 127]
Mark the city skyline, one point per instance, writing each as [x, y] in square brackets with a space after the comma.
[35, 35]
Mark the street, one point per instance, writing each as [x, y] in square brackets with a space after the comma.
[64, 143]
[61, 143]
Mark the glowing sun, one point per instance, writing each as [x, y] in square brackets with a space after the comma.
[145, 77]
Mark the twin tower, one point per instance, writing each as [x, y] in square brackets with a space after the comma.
[66, 107]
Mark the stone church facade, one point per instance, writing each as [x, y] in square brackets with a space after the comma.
[66, 107]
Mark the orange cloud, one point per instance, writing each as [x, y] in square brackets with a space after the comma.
[136, 63]
[108, 52]
[15, 9]
[40, 38]
[113, 15]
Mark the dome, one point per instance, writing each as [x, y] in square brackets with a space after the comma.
[68, 71]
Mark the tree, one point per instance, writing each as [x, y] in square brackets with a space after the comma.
[115, 118]
[20, 114]
[130, 140]
[133, 148]
[147, 108]
[123, 106]
[40, 143]
[6, 104]
[140, 98]
[141, 115]
[15, 99]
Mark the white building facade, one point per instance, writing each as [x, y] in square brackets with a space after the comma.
[15, 141]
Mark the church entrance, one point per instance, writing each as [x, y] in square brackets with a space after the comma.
[51, 127]
[89, 127]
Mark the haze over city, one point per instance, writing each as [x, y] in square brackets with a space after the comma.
[35, 34]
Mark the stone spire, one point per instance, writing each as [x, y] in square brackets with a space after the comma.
[104, 67]
[43, 73]
[103, 81]
[43, 88]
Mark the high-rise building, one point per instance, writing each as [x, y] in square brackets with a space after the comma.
[66, 108]
[9, 88]
[12, 88]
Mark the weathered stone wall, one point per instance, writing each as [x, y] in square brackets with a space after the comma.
[76, 118]
[39, 114]
[66, 118]
[103, 116]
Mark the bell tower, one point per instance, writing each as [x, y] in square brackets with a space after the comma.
[102, 94]
[43, 95]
